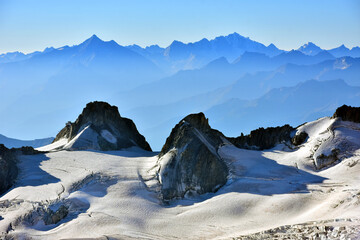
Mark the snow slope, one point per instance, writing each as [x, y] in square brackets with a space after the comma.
[107, 193]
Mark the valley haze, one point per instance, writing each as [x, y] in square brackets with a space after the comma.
[236, 81]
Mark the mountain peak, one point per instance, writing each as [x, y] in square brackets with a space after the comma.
[343, 46]
[235, 34]
[93, 40]
[48, 49]
[271, 45]
[101, 127]
[310, 48]
[94, 37]
[310, 44]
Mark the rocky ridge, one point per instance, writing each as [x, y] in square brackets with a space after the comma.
[8, 164]
[8, 168]
[348, 113]
[263, 138]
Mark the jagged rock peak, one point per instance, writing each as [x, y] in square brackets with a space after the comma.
[98, 113]
[189, 162]
[348, 113]
[101, 127]
[197, 121]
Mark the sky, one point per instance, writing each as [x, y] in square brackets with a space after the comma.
[28, 26]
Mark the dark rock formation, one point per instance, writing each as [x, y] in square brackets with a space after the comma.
[299, 138]
[27, 150]
[322, 160]
[189, 161]
[103, 128]
[8, 168]
[8, 164]
[261, 138]
[347, 113]
[51, 217]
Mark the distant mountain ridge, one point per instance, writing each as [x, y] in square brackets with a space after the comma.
[179, 55]
[303, 102]
[197, 54]
[16, 143]
[178, 78]
[310, 49]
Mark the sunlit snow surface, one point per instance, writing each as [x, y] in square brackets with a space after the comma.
[114, 194]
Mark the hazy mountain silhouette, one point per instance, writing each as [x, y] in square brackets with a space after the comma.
[255, 73]
[310, 49]
[167, 107]
[45, 89]
[290, 105]
[16, 143]
[179, 55]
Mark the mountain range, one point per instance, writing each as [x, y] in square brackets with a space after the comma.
[16, 143]
[45, 89]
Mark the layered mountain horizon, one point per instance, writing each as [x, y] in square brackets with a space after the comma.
[225, 133]
[221, 46]
[223, 76]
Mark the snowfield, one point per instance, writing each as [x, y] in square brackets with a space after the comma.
[114, 195]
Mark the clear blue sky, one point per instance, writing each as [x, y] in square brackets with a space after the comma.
[33, 25]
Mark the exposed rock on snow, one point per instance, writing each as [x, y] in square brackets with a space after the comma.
[100, 127]
[323, 160]
[189, 161]
[54, 217]
[272, 194]
[261, 138]
[8, 164]
[331, 141]
[299, 138]
[330, 229]
[43, 213]
[8, 168]
[339, 141]
[275, 192]
[347, 113]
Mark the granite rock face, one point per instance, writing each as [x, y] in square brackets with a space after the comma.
[261, 138]
[347, 113]
[8, 168]
[101, 127]
[189, 162]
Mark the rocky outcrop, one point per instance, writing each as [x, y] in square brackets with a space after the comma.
[347, 113]
[189, 162]
[8, 164]
[324, 229]
[299, 138]
[51, 217]
[261, 138]
[8, 168]
[323, 160]
[101, 127]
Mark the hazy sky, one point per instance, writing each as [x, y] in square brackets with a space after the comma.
[33, 25]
